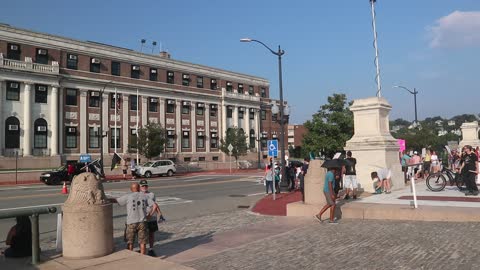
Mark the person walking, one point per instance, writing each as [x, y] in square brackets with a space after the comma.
[277, 178]
[351, 183]
[330, 197]
[152, 221]
[469, 170]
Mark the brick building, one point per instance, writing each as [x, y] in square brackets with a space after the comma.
[295, 135]
[57, 93]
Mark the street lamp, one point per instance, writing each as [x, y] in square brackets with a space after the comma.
[278, 53]
[101, 126]
[414, 93]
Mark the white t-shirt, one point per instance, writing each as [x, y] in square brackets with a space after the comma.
[434, 159]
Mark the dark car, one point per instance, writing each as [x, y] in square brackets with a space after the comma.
[58, 176]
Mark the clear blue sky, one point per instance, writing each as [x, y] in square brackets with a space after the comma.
[432, 45]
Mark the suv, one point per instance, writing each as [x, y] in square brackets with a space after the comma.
[157, 167]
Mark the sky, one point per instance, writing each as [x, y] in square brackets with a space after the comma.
[429, 45]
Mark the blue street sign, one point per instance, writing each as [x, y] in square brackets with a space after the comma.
[272, 148]
[85, 158]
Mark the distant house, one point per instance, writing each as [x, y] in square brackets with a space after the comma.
[396, 128]
[451, 123]
[456, 132]
[442, 132]
[439, 122]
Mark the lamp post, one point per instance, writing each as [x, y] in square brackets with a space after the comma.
[414, 93]
[101, 127]
[279, 54]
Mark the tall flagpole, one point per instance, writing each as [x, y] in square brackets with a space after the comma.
[377, 66]
[115, 126]
[136, 128]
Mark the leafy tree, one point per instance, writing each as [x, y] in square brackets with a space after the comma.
[238, 139]
[151, 141]
[400, 122]
[330, 127]
[295, 152]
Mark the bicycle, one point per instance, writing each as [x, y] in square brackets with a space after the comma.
[437, 182]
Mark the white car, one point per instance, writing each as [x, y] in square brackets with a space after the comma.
[156, 167]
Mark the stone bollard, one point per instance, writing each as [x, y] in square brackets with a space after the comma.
[87, 220]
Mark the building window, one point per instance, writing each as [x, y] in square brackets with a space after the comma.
[241, 112]
[72, 61]
[42, 56]
[274, 117]
[213, 110]
[133, 103]
[252, 114]
[263, 92]
[170, 139]
[199, 82]
[113, 101]
[229, 86]
[71, 97]
[170, 106]
[13, 51]
[200, 139]
[41, 93]
[215, 158]
[153, 105]
[213, 140]
[264, 143]
[170, 77]
[185, 79]
[201, 158]
[252, 138]
[153, 74]
[93, 137]
[95, 65]
[213, 84]
[12, 132]
[187, 159]
[115, 68]
[185, 107]
[13, 91]
[250, 90]
[70, 137]
[133, 136]
[185, 139]
[94, 99]
[200, 109]
[114, 134]
[135, 73]
[229, 112]
[240, 88]
[263, 115]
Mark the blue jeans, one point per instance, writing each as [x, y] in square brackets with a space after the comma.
[269, 184]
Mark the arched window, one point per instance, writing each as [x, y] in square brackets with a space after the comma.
[12, 132]
[252, 138]
[40, 133]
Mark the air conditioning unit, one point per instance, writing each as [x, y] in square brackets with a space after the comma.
[200, 134]
[213, 81]
[72, 57]
[42, 88]
[94, 94]
[213, 106]
[13, 85]
[72, 130]
[185, 134]
[186, 103]
[153, 71]
[42, 128]
[42, 52]
[252, 135]
[170, 74]
[135, 67]
[214, 135]
[170, 132]
[95, 61]
[186, 76]
[14, 47]
[154, 100]
[134, 132]
[240, 86]
[200, 105]
[252, 110]
[12, 127]
[241, 109]
[170, 101]
[229, 84]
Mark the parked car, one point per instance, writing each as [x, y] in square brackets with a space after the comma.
[157, 167]
[59, 175]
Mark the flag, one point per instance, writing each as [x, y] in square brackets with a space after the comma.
[96, 168]
[115, 160]
[118, 102]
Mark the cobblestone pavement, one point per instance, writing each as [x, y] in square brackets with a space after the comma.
[355, 244]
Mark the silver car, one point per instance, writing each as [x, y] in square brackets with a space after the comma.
[157, 167]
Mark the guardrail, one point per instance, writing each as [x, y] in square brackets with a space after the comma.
[33, 213]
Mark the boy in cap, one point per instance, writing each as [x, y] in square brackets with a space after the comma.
[152, 225]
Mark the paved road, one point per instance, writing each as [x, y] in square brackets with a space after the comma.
[179, 197]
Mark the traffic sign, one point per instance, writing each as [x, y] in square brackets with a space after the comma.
[230, 147]
[272, 148]
[85, 158]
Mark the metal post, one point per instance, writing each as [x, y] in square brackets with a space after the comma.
[377, 77]
[35, 239]
[412, 182]
[16, 167]
[259, 133]
[282, 122]
[415, 101]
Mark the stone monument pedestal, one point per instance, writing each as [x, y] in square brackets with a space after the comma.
[470, 134]
[372, 144]
[314, 198]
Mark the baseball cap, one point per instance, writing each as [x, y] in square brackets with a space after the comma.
[143, 183]
[415, 152]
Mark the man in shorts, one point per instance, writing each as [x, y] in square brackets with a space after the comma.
[137, 204]
[330, 197]
[381, 180]
[351, 183]
[152, 223]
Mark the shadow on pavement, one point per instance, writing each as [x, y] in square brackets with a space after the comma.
[178, 246]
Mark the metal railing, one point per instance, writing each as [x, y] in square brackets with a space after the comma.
[33, 213]
[28, 65]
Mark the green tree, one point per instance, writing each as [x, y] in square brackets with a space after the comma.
[238, 139]
[151, 141]
[330, 127]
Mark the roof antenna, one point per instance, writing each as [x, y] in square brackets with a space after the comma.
[142, 43]
[153, 46]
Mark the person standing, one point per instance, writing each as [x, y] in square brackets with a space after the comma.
[19, 238]
[427, 161]
[132, 168]
[404, 160]
[277, 178]
[330, 197]
[70, 172]
[124, 168]
[469, 170]
[351, 183]
[268, 179]
[435, 162]
[137, 204]
[152, 221]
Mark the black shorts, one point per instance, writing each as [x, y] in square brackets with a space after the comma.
[124, 171]
[152, 226]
